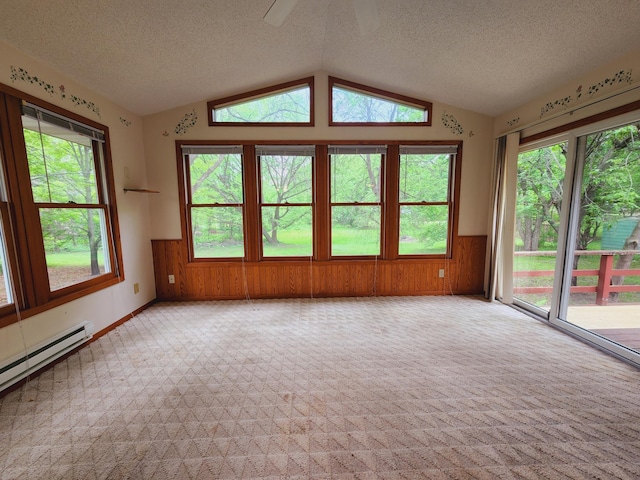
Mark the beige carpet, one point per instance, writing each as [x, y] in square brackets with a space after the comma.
[388, 388]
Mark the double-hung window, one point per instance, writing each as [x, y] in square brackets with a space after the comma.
[425, 199]
[58, 231]
[69, 194]
[349, 201]
[215, 200]
[286, 199]
[356, 176]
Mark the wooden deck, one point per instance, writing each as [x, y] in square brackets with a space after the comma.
[629, 337]
[619, 323]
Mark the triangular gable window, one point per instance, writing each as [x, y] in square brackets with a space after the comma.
[355, 104]
[287, 104]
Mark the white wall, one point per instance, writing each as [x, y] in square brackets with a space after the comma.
[606, 87]
[160, 136]
[111, 304]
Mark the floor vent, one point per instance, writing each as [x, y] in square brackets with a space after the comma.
[18, 367]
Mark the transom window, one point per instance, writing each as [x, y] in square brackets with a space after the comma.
[355, 104]
[284, 104]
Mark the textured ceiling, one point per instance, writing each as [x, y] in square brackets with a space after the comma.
[487, 56]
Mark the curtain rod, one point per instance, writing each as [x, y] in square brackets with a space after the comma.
[568, 112]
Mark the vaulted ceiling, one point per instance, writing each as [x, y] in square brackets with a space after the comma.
[487, 56]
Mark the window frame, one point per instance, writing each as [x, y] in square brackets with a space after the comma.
[321, 218]
[262, 204]
[382, 196]
[383, 95]
[451, 190]
[21, 218]
[261, 93]
[190, 205]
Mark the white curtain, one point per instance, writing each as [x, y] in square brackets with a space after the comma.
[499, 278]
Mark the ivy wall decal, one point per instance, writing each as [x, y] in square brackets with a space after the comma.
[20, 74]
[188, 121]
[623, 76]
[450, 122]
[125, 122]
[513, 121]
[550, 106]
[82, 102]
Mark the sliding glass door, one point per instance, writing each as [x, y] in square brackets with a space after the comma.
[602, 290]
[539, 193]
[577, 233]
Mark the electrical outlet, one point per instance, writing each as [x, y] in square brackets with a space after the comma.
[136, 288]
[172, 279]
[441, 273]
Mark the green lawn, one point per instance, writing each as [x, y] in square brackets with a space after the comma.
[298, 243]
[76, 258]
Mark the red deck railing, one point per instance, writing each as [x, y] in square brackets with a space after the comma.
[605, 274]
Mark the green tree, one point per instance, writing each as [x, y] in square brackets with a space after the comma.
[611, 181]
[216, 179]
[285, 179]
[352, 106]
[539, 193]
[424, 178]
[62, 171]
[610, 189]
[290, 106]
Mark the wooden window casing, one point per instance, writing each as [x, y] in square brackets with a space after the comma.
[263, 154]
[258, 94]
[371, 204]
[445, 198]
[379, 94]
[321, 204]
[218, 205]
[25, 250]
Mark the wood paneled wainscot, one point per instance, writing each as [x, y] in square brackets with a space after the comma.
[464, 274]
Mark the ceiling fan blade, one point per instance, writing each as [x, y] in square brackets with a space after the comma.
[279, 11]
[367, 15]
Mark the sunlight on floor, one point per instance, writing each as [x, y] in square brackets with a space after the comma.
[611, 316]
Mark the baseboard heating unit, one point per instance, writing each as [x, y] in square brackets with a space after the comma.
[24, 364]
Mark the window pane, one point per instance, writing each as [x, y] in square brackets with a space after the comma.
[73, 243]
[216, 178]
[285, 179]
[291, 106]
[352, 106]
[355, 178]
[287, 231]
[355, 230]
[423, 229]
[61, 164]
[609, 198]
[539, 191]
[424, 178]
[217, 232]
